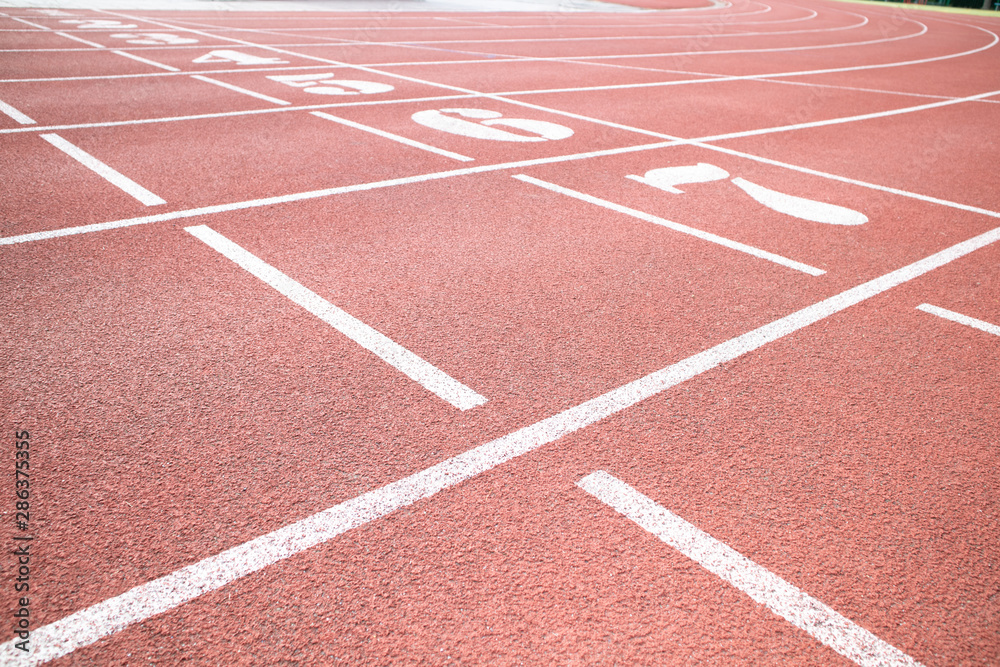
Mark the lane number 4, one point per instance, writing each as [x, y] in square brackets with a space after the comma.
[238, 57]
[99, 24]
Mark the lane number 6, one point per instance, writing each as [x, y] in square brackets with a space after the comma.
[483, 125]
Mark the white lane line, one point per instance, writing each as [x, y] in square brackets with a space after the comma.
[88, 625]
[844, 179]
[146, 61]
[315, 194]
[13, 113]
[764, 587]
[995, 39]
[961, 319]
[237, 89]
[233, 114]
[630, 38]
[90, 162]
[394, 137]
[327, 192]
[76, 39]
[676, 226]
[397, 356]
[848, 119]
[101, 77]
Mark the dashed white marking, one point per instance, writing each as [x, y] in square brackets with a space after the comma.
[14, 114]
[397, 356]
[393, 137]
[764, 587]
[104, 171]
[102, 77]
[79, 39]
[146, 61]
[847, 119]
[961, 319]
[237, 89]
[315, 194]
[160, 595]
[676, 226]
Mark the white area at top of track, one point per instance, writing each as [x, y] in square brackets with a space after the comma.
[417, 45]
[533, 40]
[648, 23]
[332, 41]
[334, 5]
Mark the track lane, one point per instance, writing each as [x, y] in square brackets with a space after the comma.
[561, 636]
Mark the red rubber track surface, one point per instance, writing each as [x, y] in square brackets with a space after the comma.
[178, 406]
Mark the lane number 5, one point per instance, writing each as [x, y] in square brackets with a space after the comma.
[320, 84]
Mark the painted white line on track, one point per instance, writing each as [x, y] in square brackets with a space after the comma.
[848, 119]
[845, 179]
[961, 319]
[146, 61]
[88, 625]
[237, 89]
[630, 38]
[430, 377]
[234, 114]
[14, 114]
[764, 587]
[676, 226]
[76, 39]
[104, 171]
[315, 194]
[995, 39]
[394, 137]
[102, 77]
[327, 192]
[39, 26]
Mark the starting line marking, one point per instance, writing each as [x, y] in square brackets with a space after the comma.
[81, 40]
[764, 587]
[237, 89]
[90, 162]
[676, 226]
[961, 319]
[315, 194]
[397, 356]
[145, 61]
[88, 625]
[393, 137]
[10, 111]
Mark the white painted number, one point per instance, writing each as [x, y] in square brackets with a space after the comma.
[100, 24]
[225, 56]
[668, 178]
[454, 121]
[318, 84]
[154, 38]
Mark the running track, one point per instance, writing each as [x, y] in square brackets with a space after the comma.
[676, 344]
